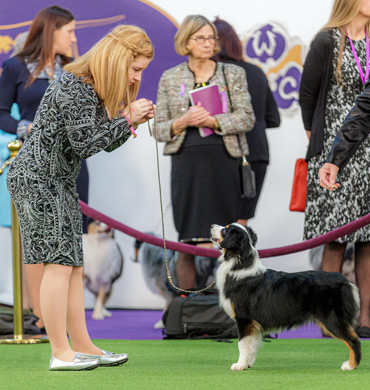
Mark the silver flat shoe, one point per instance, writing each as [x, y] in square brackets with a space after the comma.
[108, 358]
[78, 364]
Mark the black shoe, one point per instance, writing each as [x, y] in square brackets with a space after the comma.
[363, 332]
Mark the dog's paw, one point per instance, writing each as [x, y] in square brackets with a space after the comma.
[239, 367]
[347, 367]
[159, 325]
[106, 313]
[97, 315]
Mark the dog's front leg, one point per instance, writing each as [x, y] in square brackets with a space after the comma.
[249, 342]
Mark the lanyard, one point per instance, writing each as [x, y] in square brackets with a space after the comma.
[358, 61]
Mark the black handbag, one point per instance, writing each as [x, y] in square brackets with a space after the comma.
[248, 180]
[248, 177]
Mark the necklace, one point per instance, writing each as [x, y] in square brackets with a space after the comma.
[363, 78]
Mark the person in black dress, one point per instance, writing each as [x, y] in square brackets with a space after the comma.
[205, 176]
[264, 107]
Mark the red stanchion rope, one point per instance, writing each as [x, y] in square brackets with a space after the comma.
[197, 251]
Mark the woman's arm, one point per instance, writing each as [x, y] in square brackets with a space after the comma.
[272, 115]
[87, 131]
[312, 77]
[8, 95]
[353, 132]
[164, 120]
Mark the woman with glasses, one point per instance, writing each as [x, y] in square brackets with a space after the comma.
[205, 177]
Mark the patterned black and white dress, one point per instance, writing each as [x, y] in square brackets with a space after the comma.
[328, 210]
[71, 123]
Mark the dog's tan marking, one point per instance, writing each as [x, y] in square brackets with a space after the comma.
[253, 328]
[232, 310]
[325, 329]
[352, 356]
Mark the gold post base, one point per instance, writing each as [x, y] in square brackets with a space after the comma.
[34, 339]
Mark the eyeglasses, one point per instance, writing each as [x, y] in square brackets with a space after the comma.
[200, 39]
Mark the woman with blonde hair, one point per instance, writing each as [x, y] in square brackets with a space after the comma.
[205, 177]
[37, 59]
[334, 74]
[89, 108]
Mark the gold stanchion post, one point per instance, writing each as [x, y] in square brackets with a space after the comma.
[19, 337]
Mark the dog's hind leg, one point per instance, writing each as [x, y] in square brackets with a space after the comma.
[250, 339]
[352, 342]
[348, 336]
[99, 305]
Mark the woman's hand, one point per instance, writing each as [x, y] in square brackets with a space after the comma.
[138, 110]
[209, 122]
[150, 114]
[327, 176]
[196, 115]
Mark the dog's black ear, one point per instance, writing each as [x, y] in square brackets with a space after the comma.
[252, 235]
[231, 239]
[89, 220]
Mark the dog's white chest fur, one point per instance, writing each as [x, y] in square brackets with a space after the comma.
[225, 303]
[225, 269]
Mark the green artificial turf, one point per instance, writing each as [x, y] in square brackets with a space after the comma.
[191, 365]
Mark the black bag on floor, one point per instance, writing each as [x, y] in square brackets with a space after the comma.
[197, 316]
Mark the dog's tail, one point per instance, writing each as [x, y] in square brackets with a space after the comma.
[356, 298]
[138, 245]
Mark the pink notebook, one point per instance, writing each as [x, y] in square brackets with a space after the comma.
[210, 98]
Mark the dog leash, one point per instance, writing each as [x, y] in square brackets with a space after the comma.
[169, 278]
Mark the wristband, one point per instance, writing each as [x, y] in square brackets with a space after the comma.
[129, 123]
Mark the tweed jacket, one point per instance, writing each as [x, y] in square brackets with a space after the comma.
[173, 101]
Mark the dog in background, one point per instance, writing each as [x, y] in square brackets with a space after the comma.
[103, 265]
[263, 300]
[153, 267]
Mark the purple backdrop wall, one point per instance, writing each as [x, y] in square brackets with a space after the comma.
[95, 18]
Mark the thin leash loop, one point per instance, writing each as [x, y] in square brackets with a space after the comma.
[162, 217]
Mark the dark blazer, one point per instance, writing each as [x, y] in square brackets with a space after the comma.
[313, 90]
[353, 132]
[12, 90]
[264, 107]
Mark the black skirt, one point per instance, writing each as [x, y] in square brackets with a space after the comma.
[205, 189]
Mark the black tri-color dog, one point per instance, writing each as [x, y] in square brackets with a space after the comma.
[261, 300]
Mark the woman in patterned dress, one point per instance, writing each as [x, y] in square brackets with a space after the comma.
[38, 58]
[89, 108]
[331, 81]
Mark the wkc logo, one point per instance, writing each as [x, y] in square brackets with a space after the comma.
[280, 56]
